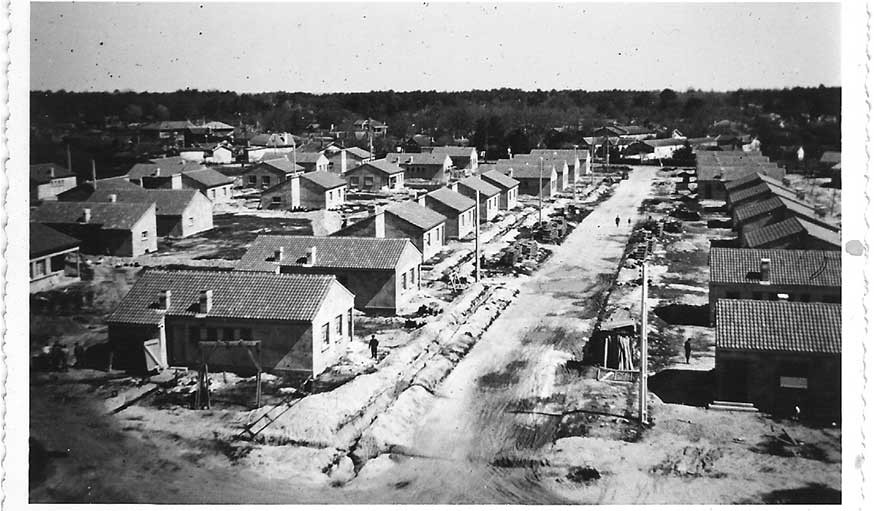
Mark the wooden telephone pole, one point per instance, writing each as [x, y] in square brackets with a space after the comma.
[644, 289]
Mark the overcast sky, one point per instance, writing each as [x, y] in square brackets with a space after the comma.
[250, 47]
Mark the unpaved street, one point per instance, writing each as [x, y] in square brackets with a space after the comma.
[464, 444]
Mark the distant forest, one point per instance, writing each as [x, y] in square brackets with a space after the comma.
[492, 119]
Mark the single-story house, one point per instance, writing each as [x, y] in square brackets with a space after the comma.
[778, 355]
[714, 169]
[577, 160]
[105, 228]
[216, 186]
[457, 208]
[376, 175]
[175, 173]
[303, 322]
[311, 162]
[178, 213]
[766, 188]
[793, 233]
[382, 273]
[322, 190]
[355, 156]
[425, 228]
[434, 168]
[532, 178]
[462, 157]
[509, 188]
[269, 173]
[558, 163]
[47, 180]
[774, 274]
[489, 196]
[54, 258]
[776, 208]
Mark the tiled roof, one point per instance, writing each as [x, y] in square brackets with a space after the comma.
[208, 177]
[735, 172]
[416, 158]
[417, 215]
[830, 157]
[331, 252]
[452, 200]
[362, 154]
[452, 150]
[283, 164]
[742, 181]
[163, 167]
[664, 142]
[771, 233]
[324, 179]
[42, 172]
[167, 202]
[484, 188]
[237, 295]
[382, 166]
[109, 215]
[526, 170]
[830, 236]
[788, 267]
[502, 181]
[760, 325]
[773, 203]
[44, 240]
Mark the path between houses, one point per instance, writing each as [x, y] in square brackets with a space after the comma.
[468, 428]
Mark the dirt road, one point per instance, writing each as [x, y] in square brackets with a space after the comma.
[470, 447]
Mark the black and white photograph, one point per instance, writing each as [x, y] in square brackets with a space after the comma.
[395, 253]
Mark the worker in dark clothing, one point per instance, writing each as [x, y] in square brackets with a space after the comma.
[373, 345]
[617, 220]
[688, 347]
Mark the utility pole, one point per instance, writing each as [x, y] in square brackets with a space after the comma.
[94, 173]
[476, 239]
[540, 191]
[643, 342]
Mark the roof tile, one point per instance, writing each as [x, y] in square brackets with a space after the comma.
[759, 325]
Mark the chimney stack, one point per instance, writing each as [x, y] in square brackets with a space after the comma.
[279, 254]
[86, 215]
[164, 299]
[311, 256]
[765, 270]
[205, 301]
[51, 172]
[113, 197]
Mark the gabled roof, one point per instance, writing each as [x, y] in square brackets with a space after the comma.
[820, 268]
[208, 177]
[559, 162]
[381, 166]
[417, 215]
[452, 199]
[325, 180]
[763, 188]
[302, 157]
[283, 165]
[108, 215]
[217, 125]
[359, 153]
[168, 125]
[524, 170]
[236, 295]
[763, 325]
[44, 240]
[417, 158]
[830, 157]
[484, 188]
[163, 166]
[453, 151]
[331, 252]
[566, 154]
[82, 191]
[664, 142]
[167, 202]
[772, 203]
[44, 172]
[734, 172]
[790, 227]
[502, 181]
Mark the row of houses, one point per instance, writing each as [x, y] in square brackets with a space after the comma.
[543, 171]
[776, 300]
[715, 168]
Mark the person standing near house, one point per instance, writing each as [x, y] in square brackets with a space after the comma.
[688, 348]
[373, 345]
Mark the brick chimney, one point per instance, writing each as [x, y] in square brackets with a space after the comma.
[86, 215]
[164, 299]
[312, 256]
[113, 197]
[279, 254]
[205, 301]
[379, 223]
[765, 270]
[176, 182]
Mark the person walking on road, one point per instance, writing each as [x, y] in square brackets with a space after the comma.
[373, 345]
[688, 348]
[617, 220]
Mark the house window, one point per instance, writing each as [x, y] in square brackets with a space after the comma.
[265, 181]
[353, 180]
[253, 180]
[212, 194]
[412, 276]
[326, 336]
[427, 238]
[144, 235]
[330, 195]
[276, 200]
[404, 280]
[349, 316]
[40, 268]
[368, 181]
[338, 325]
